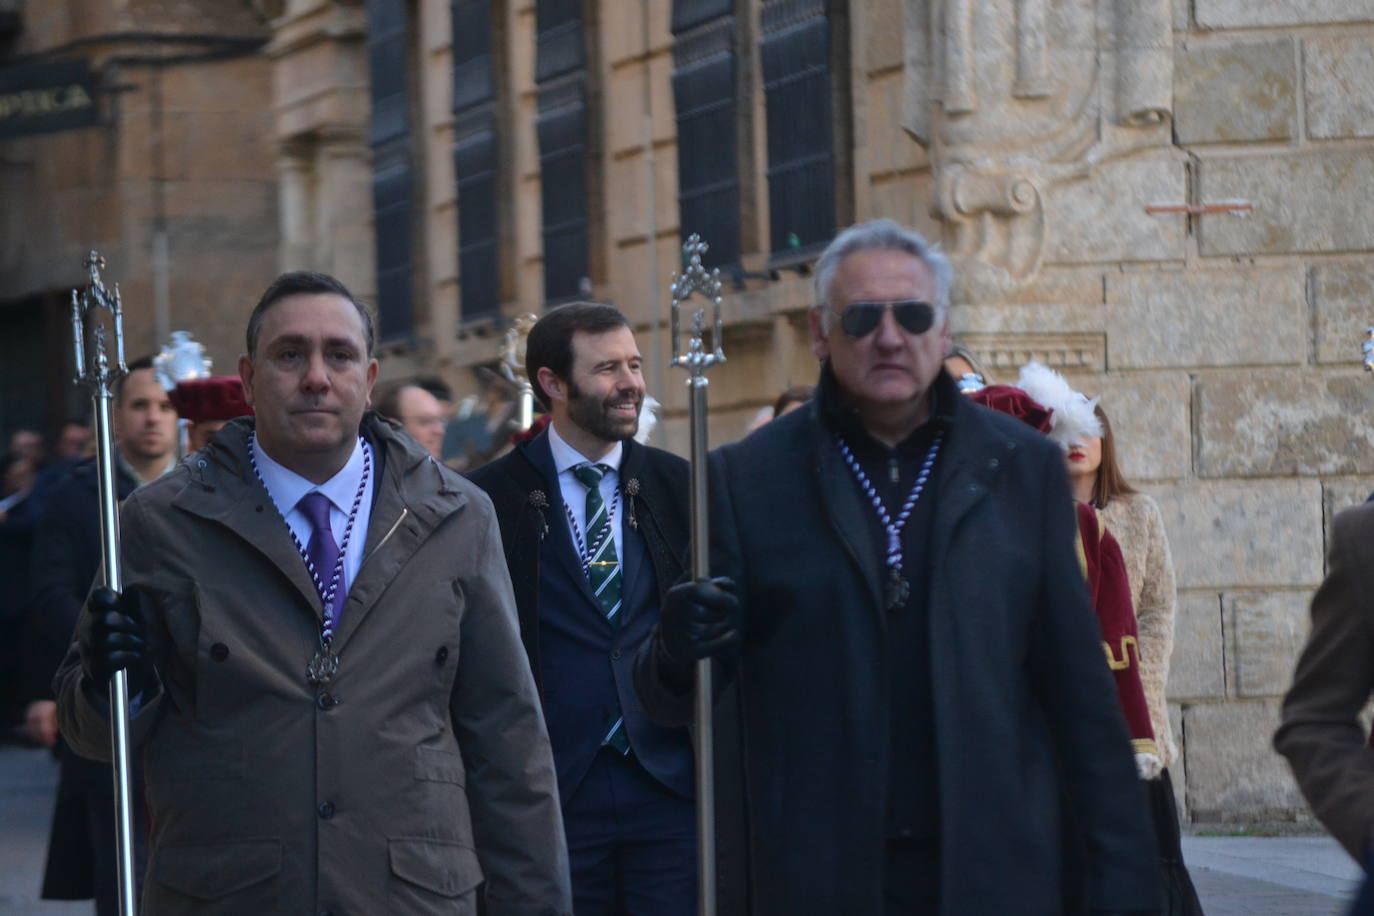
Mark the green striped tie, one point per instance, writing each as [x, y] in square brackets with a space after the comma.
[603, 571]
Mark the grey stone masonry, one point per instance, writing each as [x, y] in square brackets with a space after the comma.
[1149, 412]
[1265, 633]
[1339, 495]
[1164, 318]
[1272, 423]
[1340, 72]
[1236, 92]
[1233, 773]
[1103, 218]
[1240, 14]
[1318, 201]
[1343, 295]
[1196, 667]
[1223, 534]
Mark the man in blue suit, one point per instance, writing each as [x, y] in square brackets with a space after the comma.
[594, 527]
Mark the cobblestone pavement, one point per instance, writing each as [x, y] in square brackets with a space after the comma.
[1235, 875]
[1271, 876]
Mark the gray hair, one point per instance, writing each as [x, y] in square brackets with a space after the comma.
[881, 235]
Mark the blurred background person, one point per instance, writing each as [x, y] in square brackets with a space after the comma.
[208, 404]
[66, 558]
[790, 400]
[1135, 520]
[18, 522]
[419, 412]
[967, 373]
[73, 441]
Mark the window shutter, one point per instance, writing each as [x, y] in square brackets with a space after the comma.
[392, 172]
[476, 159]
[795, 54]
[704, 94]
[561, 126]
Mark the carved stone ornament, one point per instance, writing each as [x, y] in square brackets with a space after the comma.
[1013, 97]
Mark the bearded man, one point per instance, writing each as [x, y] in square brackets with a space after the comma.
[595, 532]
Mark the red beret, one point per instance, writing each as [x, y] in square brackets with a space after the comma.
[1016, 403]
[217, 398]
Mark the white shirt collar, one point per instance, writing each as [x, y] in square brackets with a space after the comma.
[566, 457]
[286, 487]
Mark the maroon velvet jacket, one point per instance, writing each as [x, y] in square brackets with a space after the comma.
[1105, 571]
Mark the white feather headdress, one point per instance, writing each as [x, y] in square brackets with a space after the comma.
[1073, 419]
[648, 419]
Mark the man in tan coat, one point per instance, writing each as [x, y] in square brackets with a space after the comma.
[1321, 735]
[332, 704]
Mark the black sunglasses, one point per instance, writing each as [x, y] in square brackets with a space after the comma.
[858, 319]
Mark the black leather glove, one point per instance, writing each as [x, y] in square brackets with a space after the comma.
[114, 639]
[699, 620]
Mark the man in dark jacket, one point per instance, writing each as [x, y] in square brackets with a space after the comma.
[915, 701]
[595, 531]
[81, 850]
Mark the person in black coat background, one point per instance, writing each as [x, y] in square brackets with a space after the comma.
[913, 690]
[66, 559]
[625, 782]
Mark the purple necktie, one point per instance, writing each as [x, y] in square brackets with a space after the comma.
[322, 550]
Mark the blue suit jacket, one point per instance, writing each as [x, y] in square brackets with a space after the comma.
[583, 665]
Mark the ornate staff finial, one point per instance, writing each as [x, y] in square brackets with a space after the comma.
[181, 360]
[695, 279]
[98, 371]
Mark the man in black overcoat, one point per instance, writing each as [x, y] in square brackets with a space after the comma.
[594, 527]
[916, 716]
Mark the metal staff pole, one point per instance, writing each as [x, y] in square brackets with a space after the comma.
[696, 361]
[513, 368]
[94, 370]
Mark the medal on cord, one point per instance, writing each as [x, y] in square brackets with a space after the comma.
[898, 589]
[325, 664]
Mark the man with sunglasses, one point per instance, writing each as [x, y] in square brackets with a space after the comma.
[914, 715]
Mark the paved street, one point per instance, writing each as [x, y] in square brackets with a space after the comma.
[27, 781]
[1235, 875]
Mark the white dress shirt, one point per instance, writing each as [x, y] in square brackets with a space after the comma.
[565, 458]
[286, 488]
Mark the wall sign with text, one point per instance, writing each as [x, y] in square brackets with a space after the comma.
[46, 97]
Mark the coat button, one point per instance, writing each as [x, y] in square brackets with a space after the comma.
[615, 655]
[992, 464]
[327, 810]
[219, 651]
[327, 701]
[441, 656]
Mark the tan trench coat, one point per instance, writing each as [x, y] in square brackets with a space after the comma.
[421, 769]
[1322, 736]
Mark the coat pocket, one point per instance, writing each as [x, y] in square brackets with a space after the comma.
[441, 867]
[212, 871]
[435, 765]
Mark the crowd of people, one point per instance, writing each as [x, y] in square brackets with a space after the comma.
[363, 682]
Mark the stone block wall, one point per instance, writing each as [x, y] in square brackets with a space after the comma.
[1252, 341]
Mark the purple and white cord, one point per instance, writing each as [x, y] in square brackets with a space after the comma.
[893, 529]
[326, 592]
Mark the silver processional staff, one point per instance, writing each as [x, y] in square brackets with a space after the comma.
[95, 371]
[696, 360]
